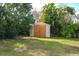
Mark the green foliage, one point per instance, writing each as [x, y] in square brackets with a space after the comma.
[70, 10]
[60, 20]
[69, 31]
[53, 16]
[15, 19]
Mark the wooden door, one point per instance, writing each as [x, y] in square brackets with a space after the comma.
[39, 30]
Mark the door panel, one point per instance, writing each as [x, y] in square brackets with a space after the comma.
[39, 30]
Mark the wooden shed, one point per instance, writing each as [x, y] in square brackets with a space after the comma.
[40, 30]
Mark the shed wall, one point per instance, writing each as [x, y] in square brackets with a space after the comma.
[40, 30]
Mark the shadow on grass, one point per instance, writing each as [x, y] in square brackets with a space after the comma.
[48, 48]
[36, 47]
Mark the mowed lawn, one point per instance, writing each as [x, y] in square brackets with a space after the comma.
[39, 47]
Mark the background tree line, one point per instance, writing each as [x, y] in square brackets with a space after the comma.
[60, 19]
[15, 19]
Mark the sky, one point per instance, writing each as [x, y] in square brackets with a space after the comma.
[38, 4]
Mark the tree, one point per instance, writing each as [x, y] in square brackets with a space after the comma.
[17, 19]
[59, 19]
[52, 15]
[70, 10]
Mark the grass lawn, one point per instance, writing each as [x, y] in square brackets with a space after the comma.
[39, 47]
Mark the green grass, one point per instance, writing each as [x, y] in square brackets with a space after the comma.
[39, 47]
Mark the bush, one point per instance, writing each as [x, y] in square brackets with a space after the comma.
[15, 19]
[70, 31]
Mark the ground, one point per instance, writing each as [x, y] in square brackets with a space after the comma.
[39, 47]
